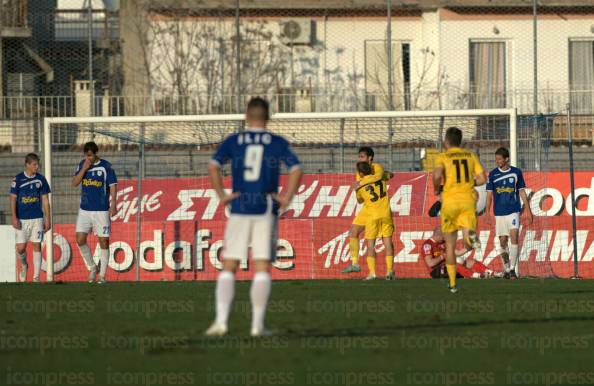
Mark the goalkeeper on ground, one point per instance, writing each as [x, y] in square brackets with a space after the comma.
[366, 154]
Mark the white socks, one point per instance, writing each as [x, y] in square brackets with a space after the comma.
[36, 264]
[104, 261]
[259, 294]
[513, 256]
[85, 251]
[224, 293]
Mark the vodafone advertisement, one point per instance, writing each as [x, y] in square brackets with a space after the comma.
[182, 224]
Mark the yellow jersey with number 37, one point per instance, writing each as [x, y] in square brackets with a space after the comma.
[460, 166]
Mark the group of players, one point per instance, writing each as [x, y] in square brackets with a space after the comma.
[31, 215]
[456, 174]
[255, 156]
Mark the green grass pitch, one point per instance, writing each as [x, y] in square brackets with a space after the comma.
[328, 333]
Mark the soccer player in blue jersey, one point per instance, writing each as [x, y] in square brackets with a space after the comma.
[255, 156]
[98, 184]
[31, 216]
[505, 187]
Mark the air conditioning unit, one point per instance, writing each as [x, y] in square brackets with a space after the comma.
[296, 31]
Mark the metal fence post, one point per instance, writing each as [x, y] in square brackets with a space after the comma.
[573, 202]
[342, 122]
[139, 196]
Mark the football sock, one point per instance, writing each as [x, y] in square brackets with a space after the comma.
[23, 258]
[462, 270]
[104, 260]
[513, 256]
[36, 263]
[451, 273]
[354, 248]
[479, 267]
[259, 294]
[389, 264]
[371, 264]
[224, 292]
[85, 251]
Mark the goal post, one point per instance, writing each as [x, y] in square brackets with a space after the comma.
[167, 211]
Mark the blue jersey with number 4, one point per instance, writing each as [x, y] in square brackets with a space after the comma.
[29, 191]
[506, 186]
[95, 186]
[255, 157]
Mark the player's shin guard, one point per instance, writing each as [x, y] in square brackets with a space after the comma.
[36, 263]
[259, 294]
[504, 253]
[85, 252]
[224, 293]
[104, 260]
[451, 268]
[371, 265]
[513, 256]
[23, 258]
[354, 248]
[389, 264]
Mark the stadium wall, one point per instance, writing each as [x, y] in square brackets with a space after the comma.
[182, 230]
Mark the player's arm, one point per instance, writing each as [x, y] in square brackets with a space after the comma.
[47, 214]
[360, 198]
[430, 260]
[289, 158]
[217, 183]
[112, 182]
[489, 199]
[437, 176]
[80, 173]
[16, 223]
[524, 197]
[479, 172]
[378, 174]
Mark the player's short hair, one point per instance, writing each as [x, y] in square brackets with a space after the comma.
[367, 150]
[364, 168]
[258, 108]
[31, 157]
[502, 151]
[90, 146]
[454, 136]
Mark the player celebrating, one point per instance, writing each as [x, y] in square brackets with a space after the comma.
[433, 252]
[366, 154]
[31, 216]
[97, 206]
[255, 156]
[461, 170]
[505, 187]
[374, 196]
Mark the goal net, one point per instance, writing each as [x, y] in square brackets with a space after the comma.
[169, 222]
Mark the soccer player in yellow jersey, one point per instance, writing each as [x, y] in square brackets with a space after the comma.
[461, 170]
[365, 154]
[373, 194]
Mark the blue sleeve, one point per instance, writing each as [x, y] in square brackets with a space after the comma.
[224, 152]
[287, 155]
[13, 187]
[45, 188]
[111, 177]
[521, 183]
[490, 183]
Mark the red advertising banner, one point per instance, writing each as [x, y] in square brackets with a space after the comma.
[182, 230]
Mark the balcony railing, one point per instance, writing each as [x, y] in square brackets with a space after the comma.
[31, 107]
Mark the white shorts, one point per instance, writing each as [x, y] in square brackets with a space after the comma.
[504, 223]
[97, 221]
[31, 230]
[256, 231]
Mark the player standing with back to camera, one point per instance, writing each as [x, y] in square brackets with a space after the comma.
[98, 184]
[505, 187]
[31, 216]
[255, 156]
[461, 170]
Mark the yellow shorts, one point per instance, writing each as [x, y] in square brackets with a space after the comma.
[458, 214]
[381, 227]
[361, 218]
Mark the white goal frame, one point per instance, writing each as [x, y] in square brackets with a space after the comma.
[48, 122]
